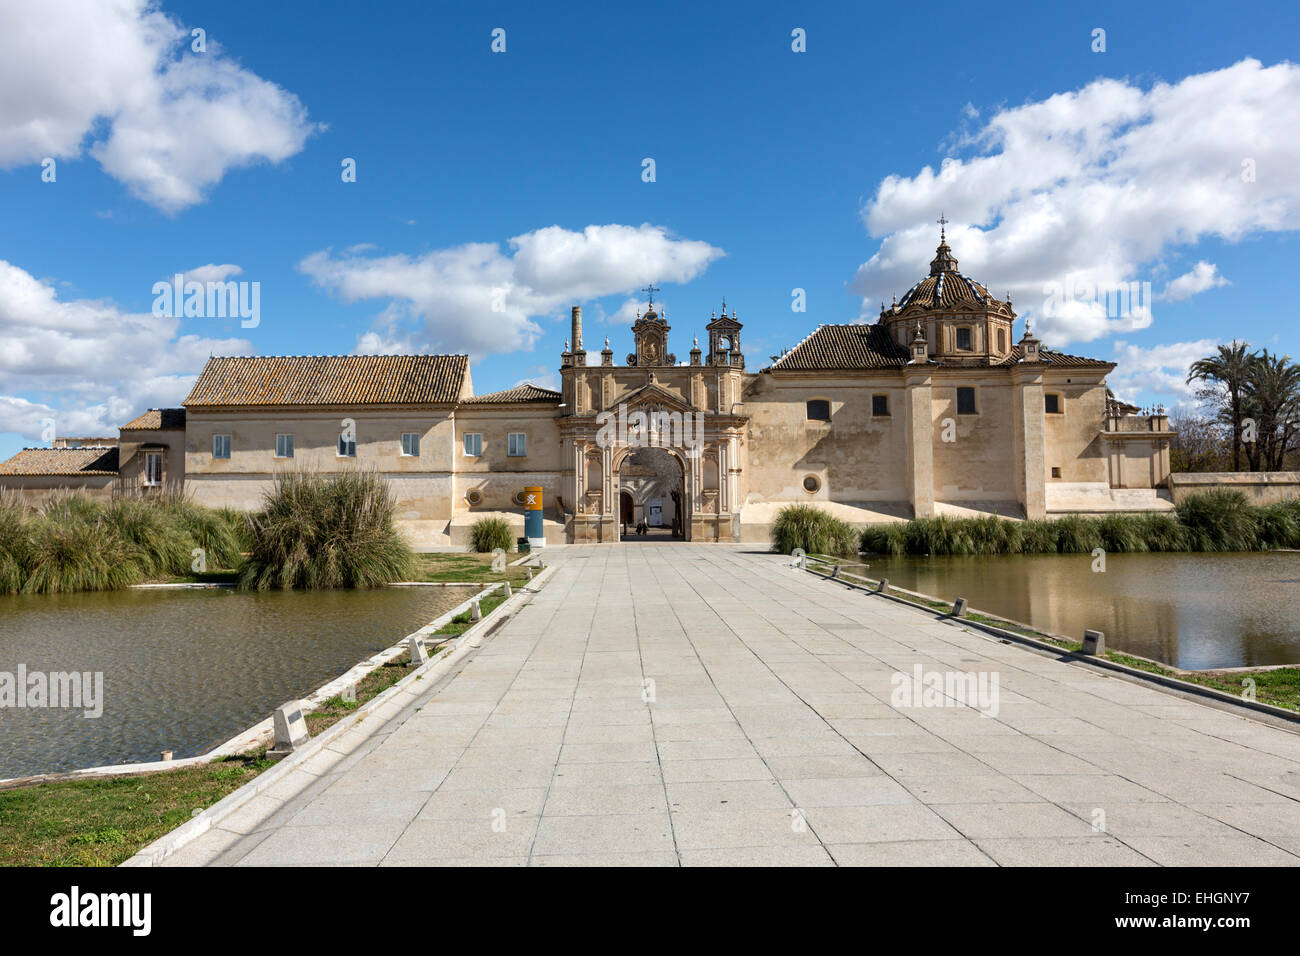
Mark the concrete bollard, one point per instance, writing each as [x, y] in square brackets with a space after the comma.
[1094, 643]
[418, 653]
[835, 573]
[290, 729]
[884, 583]
[509, 593]
[530, 574]
[165, 755]
[959, 607]
[475, 612]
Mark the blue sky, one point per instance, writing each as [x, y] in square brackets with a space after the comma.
[519, 175]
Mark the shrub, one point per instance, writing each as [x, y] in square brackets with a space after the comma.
[1218, 520]
[813, 530]
[324, 532]
[1278, 524]
[1040, 537]
[70, 553]
[15, 543]
[488, 534]
[149, 536]
[213, 531]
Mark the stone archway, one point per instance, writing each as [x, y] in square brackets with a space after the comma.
[654, 479]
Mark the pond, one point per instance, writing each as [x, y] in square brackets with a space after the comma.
[184, 670]
[1195, 611]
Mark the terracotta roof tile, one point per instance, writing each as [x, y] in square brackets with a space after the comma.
[95, 460]
[833, 347]
[158, 418]
[844, 347]
[526, 393]
[330, 380]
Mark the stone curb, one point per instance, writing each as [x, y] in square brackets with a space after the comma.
[408, 689]
[1265, 713]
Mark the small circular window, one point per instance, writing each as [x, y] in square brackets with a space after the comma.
[812, 484]
[520, 498]
[474, 497]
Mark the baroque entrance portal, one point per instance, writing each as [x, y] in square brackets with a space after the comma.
[651, 488]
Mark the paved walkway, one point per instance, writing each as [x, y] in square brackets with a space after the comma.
[770, 739]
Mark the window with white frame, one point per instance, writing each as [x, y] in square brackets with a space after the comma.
[516, 445]
[473, 444]
[410, 444]
[153, 468]
[283, 446]
[220, 446]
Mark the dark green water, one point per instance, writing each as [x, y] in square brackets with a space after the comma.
[1195, 611]
[185, 670]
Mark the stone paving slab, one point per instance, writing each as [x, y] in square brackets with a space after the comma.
[670, 704]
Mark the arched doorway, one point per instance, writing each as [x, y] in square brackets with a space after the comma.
[651, 496]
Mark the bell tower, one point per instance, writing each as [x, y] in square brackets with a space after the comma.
[651, 333]
[724, 339]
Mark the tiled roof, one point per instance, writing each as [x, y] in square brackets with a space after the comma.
[330, 380]
[158, 418]
[844, 347]
[1057, 359]
[947, 290]
[869, 346]
[519, 394]
[96, 460]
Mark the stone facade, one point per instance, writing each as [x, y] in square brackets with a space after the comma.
[933, 409]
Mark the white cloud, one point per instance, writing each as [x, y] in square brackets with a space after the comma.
[107, 365]
[479, 299]
[164, 120]
[1204, 276]
[1160, 370]
[210, 273]
[1094, 187]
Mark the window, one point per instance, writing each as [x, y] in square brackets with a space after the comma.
[812, 484]
[880, 406]
[153, 461]
[516, 445]
[220, 446]
[1056, 473]
[473, 444]
[411, 444]
[1052, 403]
[283, 446]
[966, 401]
[1002, 340]
[347, 446]
[963, 339]
[819, 410]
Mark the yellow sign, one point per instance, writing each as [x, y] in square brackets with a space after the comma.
[532, 499]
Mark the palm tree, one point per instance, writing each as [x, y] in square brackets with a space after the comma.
[1229, 370]
[1272, 396]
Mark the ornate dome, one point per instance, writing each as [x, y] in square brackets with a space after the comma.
[945, 290]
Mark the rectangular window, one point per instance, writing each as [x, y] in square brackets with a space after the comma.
[153, 462]
[966, 401]
[819, 410]
[347, 446]
[411, 444]
[1002, 340]
[963, 339]
[880, 406]
[1052, 403]
[283, 446]
[473, 445]
[516, 445]
[1056, 473]
[220, 446]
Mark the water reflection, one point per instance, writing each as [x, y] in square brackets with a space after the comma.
[186, 669]
[1192, 610]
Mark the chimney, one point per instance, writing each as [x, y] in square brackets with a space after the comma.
[577, 329]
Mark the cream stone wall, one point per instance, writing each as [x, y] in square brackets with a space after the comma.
[131, 452]
[855, 456]
[980, 465]
[1072, 440]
